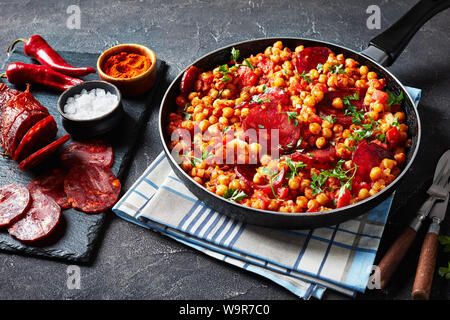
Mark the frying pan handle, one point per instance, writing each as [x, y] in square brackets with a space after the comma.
[386, 47]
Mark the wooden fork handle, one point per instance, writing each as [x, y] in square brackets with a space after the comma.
[425, 269]
[395, 254]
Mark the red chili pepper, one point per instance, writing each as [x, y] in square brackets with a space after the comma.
[36, 47]
[19, 73]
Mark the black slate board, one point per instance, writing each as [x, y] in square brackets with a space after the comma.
[75, 237]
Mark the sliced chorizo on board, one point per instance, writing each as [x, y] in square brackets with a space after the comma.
[90, 153]
[42, 154]
[39, 221]
[19, 128]
[38, 136]
[15, 200]
[51, 184]
[91, 189]
[6, 94]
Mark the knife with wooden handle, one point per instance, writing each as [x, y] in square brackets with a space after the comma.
[438, 191]
[427, 260]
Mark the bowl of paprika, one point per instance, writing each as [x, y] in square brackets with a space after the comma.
[130, 67]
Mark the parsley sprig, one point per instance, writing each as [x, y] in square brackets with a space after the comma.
[352, 110]
[205, 155]
[393, 99]
[292, 116]
[306, 76]
[294, 167]
[235, 54]
[337, 69]
[318, 180]
[234, 195]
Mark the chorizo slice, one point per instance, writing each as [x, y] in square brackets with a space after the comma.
[91, 189]
[39, 221]
[309, 58]
[366, 156]
[90, 153]
[42, 154]
[15, 200]
[51, 184]
[38, 136]
[19, 128]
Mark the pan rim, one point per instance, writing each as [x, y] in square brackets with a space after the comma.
[388, 190]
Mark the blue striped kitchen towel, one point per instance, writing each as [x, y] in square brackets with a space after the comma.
[305, 262]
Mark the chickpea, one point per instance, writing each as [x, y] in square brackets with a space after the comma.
[363, 193]
[203, 125]
[223, 120]
[388, 163]
[400, 158]
[377, 107]
[337, 103]
[375, 173]
[323, 78]
[363, 70]
[221, 189]
[244, 112]
[321, 142]
[302, 202]
[308, 193]
[198, 180]
[309, 101]
[326, 133]
[322, 198]
[400, 116]
[313, 204]
[235, 184]
[315, 128]
[294, 183]
[360, 83]
[337, 128]
[278, 82]
[299, 49]
[372, 75]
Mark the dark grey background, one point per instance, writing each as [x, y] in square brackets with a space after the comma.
[133, 263]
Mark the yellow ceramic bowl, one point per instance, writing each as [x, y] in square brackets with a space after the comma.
[130, 87]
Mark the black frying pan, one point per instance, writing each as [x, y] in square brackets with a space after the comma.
[382, 51]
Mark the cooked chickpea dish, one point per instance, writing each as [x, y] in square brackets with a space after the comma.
[290, 131]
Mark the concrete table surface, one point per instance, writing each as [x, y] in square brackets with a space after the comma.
[133, 263]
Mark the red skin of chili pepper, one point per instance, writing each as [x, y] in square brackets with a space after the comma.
[19, 73]
[36, 47]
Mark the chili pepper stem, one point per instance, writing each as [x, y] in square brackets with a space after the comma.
[13, 44]
[3, 75]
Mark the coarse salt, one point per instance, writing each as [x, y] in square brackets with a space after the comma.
[90, 104]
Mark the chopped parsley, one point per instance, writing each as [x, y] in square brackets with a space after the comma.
[445, 271]
[234, 195]
[352, 110]
[318, 180]
[234, 54]
[257, 99]
[338, 69]
[223, 69]
[205, 155]
[306, 77]
[267, 171]
[292, 116]
[225, 79]
[382, 137]
[365, 132]
[226, 129]
[319, 67]
[393, 99]
[260, 126]
[395, 123]
[248, 64]
[187, 116]
[294, 166]
[329, 118]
